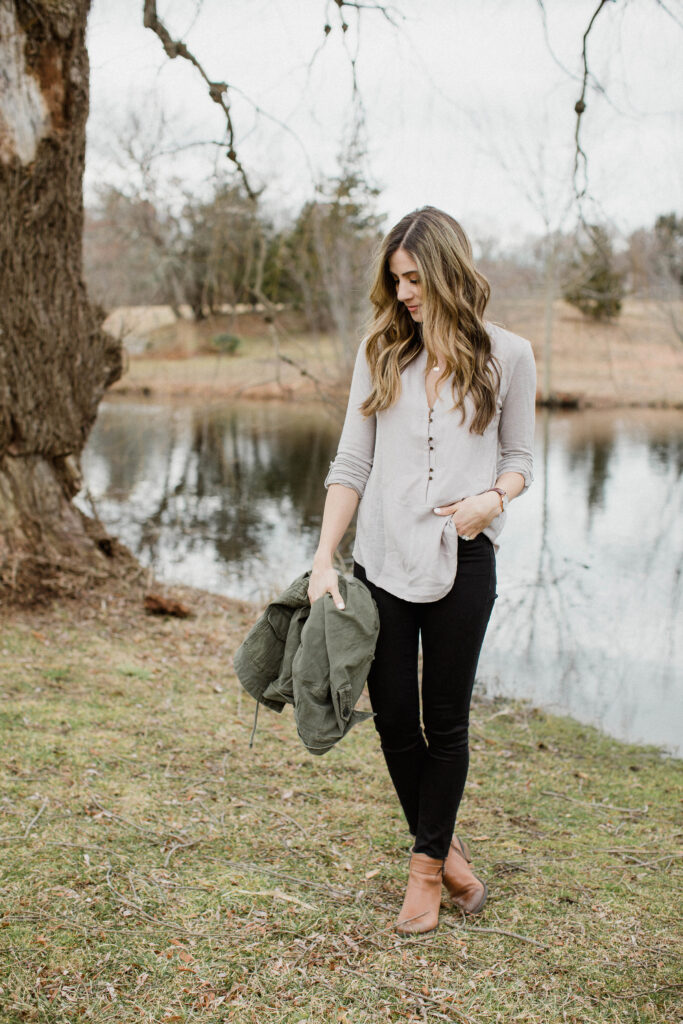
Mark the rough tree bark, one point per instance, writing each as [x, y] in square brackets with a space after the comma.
[55, 361]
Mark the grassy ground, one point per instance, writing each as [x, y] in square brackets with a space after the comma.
[154, 868]
[636, 360]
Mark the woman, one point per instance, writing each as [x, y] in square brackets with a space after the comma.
[437, 439]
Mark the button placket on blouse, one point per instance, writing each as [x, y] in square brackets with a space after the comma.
[430, 447]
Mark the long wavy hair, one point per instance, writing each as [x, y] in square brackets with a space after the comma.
[454, 297]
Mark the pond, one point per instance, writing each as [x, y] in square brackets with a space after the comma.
[590, 570]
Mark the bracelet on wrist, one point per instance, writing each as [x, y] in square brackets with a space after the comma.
[502, 495]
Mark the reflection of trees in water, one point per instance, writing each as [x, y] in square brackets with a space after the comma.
[664, 541]
[225, 485]
[124, 451]
[590, 459]
[667, 453]
[575, 626]
[547, 602]
[211, 476]
[271, 465]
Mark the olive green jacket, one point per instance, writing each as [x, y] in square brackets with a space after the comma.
[316, 657]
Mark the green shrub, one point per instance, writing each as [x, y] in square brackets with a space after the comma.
[226, 344]
[593, 283]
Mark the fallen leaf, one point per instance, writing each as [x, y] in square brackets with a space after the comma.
[157, 604]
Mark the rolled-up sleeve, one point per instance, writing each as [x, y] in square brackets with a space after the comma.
[516, 426]
[353, 461]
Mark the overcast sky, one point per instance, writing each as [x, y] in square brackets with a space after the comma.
[468, 105]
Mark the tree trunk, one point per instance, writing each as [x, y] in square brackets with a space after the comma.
[55, 361]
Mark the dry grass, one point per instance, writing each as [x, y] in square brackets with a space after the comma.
[634, 361]
[637, 360]
[181, 362]
[156, 869]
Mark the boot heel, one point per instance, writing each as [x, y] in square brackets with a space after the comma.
[467, 890]
[464, 846]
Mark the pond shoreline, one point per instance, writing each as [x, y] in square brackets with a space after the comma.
[156, 390]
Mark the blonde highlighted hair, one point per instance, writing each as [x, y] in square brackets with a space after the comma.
[454, 297]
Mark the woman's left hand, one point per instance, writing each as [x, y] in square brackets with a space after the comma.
[473, 514]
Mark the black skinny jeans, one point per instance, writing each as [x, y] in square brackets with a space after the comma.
[428, 769]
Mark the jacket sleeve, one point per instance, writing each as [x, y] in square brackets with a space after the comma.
[353, 462]
[516, 426]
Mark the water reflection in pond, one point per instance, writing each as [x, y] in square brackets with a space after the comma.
[590, 567]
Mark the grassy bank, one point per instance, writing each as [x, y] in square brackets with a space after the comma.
[154, 868]
[635, 360]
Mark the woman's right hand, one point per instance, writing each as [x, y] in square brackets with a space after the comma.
[324, 581]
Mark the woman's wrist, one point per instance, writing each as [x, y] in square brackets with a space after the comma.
[496, 502]
[323, 560]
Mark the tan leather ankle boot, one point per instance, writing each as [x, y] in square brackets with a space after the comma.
[464, 888]
[420, 910]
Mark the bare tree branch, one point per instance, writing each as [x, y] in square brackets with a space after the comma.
[580, 158]
[388, 12]
[219, 93]
[563, 67]
[587, 77]
[546, 37]
[217, 90]
[665, 8]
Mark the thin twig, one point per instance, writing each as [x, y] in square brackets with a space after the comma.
[180, 846]
[509, 741]
[646, 992]
[323, 392]
[275, 894]
[498, 931]
[580, 106]
[660, 3]
[419, 996]
[630, 858]
[6, 839]
[272, 810]
[388, 12]
[596, 806]
[333, 891]
[133, 824]
[135, 907]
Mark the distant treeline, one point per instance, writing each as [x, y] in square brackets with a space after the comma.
[146, 249]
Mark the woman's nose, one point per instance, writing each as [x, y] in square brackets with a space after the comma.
[403, 291]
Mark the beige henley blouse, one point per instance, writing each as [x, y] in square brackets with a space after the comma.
[409, 459]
